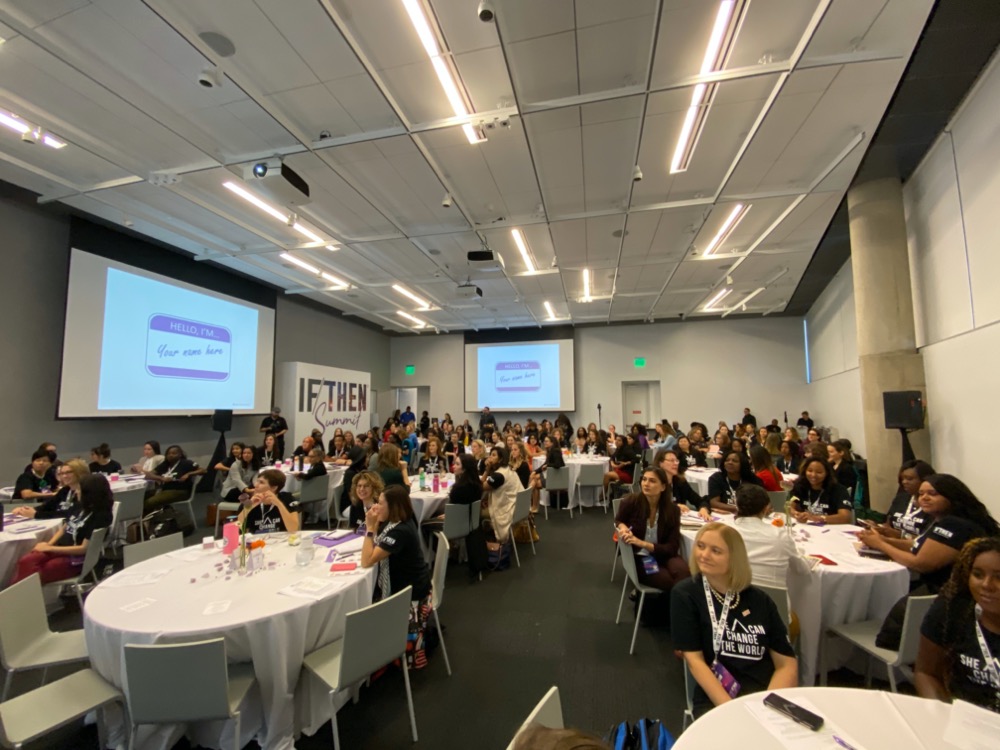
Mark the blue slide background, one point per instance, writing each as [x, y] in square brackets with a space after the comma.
[546, 397]
[130, 300]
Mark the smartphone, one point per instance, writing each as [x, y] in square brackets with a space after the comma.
[794, 712]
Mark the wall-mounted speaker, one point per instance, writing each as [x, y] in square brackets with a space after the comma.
[222, 420]
[904, 410]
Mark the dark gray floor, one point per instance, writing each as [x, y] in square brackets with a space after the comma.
[510, 638]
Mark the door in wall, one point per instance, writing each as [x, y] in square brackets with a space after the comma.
[639, 401]
[406, 397]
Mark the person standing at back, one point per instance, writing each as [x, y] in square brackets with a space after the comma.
[275, 424]
[805, 421]
[748, 418]
[486, 420]
[407, 416]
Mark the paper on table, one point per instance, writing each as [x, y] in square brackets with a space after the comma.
[136, 605]
[217, 608]
[795, 736]
[27, 529]
[124, 579]
[310, 588]
[190, 554]
[971, 727]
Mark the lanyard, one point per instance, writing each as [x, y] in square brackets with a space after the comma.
[814, 506]
[718, 625]
[992, 668]
[911, 509]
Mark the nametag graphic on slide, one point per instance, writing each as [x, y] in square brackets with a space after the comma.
[179, 348]
[518, 376]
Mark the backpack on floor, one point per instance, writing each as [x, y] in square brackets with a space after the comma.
[652, 735]
[621, 737]
[499, 554]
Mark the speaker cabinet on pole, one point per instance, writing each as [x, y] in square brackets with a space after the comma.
[904, 410]
[222, 420]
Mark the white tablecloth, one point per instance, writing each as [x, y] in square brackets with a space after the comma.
[588, 497]
[427, 503]
[698, 478]
[853, 590]
[872, 719]
[271, 630]
[117, 485]
[18, 538]
[294, 484]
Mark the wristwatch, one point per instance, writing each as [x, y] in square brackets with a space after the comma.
[370, 534]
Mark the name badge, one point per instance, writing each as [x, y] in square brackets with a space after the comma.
[729, 683]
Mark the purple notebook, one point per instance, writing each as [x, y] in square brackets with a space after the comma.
[327, 542]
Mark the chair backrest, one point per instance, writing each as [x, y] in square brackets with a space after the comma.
[415, 457]
[615, 505]
[557, 479]
[24, 621]
[314, 490]
[131, 504]
[440, 570]
[778, 500]
[456, 520]
[780, 598]
[176, 682]
[689, 685]
[647, 456]
[628, 562]
[136, 553]
[591, 475]
[548, 713]
[476, 515]
[374, 636]
[93, 554]
[522, 505]
[916, 609]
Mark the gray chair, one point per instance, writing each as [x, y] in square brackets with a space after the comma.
[780, 598]
[189, 503]
[689, 685]
[862, 635]
[548, 713]
[615, 505]
[437, 589]
[129, 509]
[315, 494]
[202, 687]
[557, 480]
[457, 521]
[522, 511]
[592, 475]
[221, 509]
[136, 553]
[40, 711]
[632, 576]
[90, 559]
[26, 642]
[373, 636]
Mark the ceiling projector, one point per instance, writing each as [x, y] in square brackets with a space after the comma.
[468, 291]
[278, 180]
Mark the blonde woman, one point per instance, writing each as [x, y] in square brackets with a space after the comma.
[390, 466]
[365, 490]
[519, 463]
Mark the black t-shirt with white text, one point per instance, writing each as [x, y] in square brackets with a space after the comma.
[406, 560]
[173, 472]
[81, 525]
[907, 518]
[724, 488]
[60, 505]
[29, 481]
[951, 531]
[272, 426]
[263, 519]
[753, 628]
[952, 626]
[111, 467]
[825, 502]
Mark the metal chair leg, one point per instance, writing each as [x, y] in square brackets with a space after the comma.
[513, 543]
[621, 602]
[409, 698]
[638, 616]
[444, 649]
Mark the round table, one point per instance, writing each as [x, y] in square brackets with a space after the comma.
[698, 478]
[426, 502]
[573, 463]
[853, 590]
[869, 719]
[182, 601]
[18, 539]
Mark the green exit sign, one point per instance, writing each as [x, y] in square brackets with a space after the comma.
[410, 369]
[639, 362]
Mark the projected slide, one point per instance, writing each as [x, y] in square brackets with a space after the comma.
[165, 347]
[522, 376]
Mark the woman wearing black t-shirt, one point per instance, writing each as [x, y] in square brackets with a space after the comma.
[173, 478]
[960, 636]
[434, 460]
[101, 461]
[622, 463]
[53, 560]
[265, 511]
[731, 636]
[691, 456]
[842, 464]
[818, 498]
[904, 519]
[723, 484]
[66, 500]
[365, 489]
[673, 465]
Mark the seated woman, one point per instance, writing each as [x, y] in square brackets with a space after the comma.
[723, 484]
[478, 450]
[691, 457]
[306, 447]
[773, 446]
[151, 458]
[769, 476]
[732, 638]
[315, 466]
[960, 636]
[595, 445]
[579, 446]
[67, 498]
[467, 489]
[955, 516]
[392, 542]
[264, 511]
[554, 460]
[673, 465]
[172, 479]
[770, 548]
[665, 437]
[905, 520]
[842, 464]
[739, 445]
[391, 467]
[337, 450]
[434, 461]
[622, 463]
[519, 464]
[268, 452]
[650, 522]
[817, 498]
[789, 461]
[58, 558]
[241, 475]
[101, 461]
[38, 482]
[531, 446]
[365, 489]
[235, 454]
[500, 487]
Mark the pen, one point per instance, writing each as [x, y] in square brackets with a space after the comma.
[843, 744]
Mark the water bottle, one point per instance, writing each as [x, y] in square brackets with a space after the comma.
[304, 554]
[423, 479]
[436, 482]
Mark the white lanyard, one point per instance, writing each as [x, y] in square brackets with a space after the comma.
[718, 625]
[911, 509]
[992, 668]
[814, 506]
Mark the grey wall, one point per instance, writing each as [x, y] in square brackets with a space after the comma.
[35, 258]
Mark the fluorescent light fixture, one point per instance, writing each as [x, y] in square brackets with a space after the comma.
[254, 200]
[300, 263]
[333, 248]
[416, 321]
[694, 119]
[523, 248]
[307, 232]
[407, 293]
[732, 220]
[586, 285]
[722, 294]
[743, 303]
[48, 140]
[548, 309]
[429, 39]
[334, 280]
[13, 123]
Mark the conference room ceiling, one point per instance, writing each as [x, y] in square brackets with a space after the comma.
[567, 97]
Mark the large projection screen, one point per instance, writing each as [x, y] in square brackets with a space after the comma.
[520, 376]
[140, 344]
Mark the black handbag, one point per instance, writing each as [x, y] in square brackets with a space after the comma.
[475, 548]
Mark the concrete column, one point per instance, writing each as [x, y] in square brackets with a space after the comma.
[883, 300]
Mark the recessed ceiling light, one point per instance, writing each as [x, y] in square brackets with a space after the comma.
[722, 294]
[732, 220]
[586, 285]
[523, 248]
[424, 304]
[416, 321]
[548, 309]
[300, 263]
[334, 280]
[255, 201]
